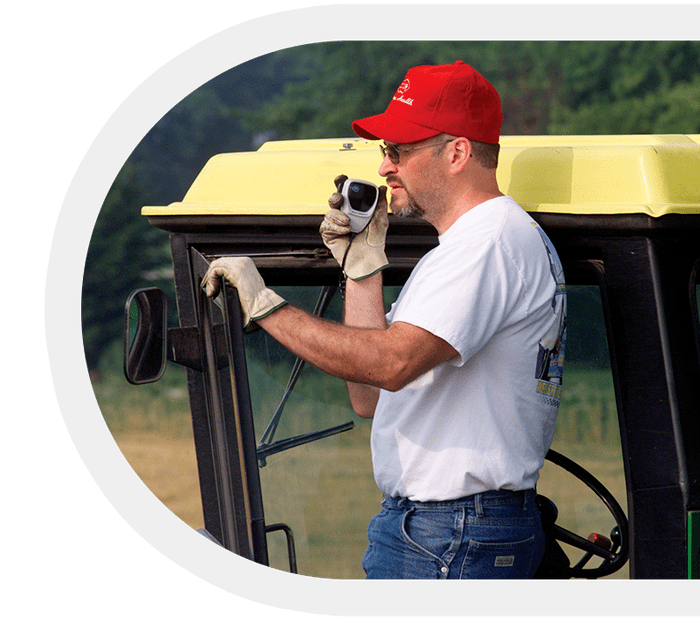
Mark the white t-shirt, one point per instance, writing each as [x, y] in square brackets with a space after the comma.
[494, 289]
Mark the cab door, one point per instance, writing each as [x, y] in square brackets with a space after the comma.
[210, 339]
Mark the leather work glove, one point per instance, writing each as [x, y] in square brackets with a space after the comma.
[366, 254]
[257, 301]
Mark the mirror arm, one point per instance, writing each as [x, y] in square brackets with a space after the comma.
[184, 348]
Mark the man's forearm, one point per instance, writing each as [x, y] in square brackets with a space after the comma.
[366, 352]
[351, 351]
[364, 303]
[345, 352]
[364, 307]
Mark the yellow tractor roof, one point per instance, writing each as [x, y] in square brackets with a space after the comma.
[649, 174]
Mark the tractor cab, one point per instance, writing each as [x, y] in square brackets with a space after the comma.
[283, 462]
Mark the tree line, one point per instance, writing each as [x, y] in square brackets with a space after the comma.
[315, 91]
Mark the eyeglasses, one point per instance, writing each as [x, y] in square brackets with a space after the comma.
[395, 153]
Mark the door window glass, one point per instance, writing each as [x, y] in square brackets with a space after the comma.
[587, 429]
[324, 490]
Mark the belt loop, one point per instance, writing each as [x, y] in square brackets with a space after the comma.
[478, 506]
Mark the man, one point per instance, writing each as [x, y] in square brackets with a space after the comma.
[462, 376]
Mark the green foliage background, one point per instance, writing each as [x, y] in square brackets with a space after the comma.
[314, 91]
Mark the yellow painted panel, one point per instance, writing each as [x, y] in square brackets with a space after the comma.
[654, 174]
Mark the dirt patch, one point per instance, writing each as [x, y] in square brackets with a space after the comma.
[168, 467]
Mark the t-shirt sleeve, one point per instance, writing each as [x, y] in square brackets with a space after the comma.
[462, 295]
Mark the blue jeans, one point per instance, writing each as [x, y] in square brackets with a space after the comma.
[492, 535]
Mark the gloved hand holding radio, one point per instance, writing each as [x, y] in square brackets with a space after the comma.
[257, 301]
[365, 255]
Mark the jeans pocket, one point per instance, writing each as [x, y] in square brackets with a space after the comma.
[431, 534]
[498, 560]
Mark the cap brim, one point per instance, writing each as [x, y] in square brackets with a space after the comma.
[392, 129]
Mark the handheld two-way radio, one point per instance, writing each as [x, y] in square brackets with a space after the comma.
[359, 201]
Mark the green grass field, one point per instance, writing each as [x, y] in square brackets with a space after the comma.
[325, 490]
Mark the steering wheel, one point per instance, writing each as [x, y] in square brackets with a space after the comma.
[614, 551]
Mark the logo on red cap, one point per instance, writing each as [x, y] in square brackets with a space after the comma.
[403, 87]
[401, 90]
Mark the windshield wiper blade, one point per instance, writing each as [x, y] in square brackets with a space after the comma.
[299, 440]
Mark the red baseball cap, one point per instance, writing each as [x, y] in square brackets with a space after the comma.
[434, 99]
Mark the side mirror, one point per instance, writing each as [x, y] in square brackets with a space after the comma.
[145, 336]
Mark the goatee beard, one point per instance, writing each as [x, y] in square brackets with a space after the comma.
[411, 210]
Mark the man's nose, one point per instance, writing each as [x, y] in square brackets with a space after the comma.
[387, 167]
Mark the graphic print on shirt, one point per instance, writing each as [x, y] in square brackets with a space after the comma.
[550, 357]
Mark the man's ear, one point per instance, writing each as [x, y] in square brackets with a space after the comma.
[461, 152]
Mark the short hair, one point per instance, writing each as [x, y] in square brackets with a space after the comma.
[485, 154]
